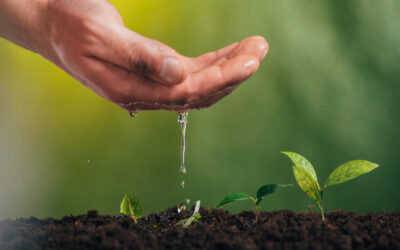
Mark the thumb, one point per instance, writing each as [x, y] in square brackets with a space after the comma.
[148, 57]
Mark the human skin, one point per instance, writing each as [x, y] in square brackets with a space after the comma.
[88, 40]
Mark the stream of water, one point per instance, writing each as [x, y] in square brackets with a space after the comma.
[182, 120]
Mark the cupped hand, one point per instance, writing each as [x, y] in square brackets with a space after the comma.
[88, 40]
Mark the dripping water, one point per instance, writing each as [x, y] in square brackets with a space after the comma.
[133, 114]
[182, 120]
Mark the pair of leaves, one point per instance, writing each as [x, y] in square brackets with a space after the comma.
[303, 165]
[261, 193]
[131, 206]
[307, 179]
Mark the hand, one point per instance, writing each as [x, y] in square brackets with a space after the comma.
[88, 40]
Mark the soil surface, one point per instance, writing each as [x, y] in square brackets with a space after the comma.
[217, 229]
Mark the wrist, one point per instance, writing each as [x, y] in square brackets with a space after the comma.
[24, 22]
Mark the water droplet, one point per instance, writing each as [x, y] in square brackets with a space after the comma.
[182, 117]
[181, 208]
[183, 184]
[133, 114]
[182, 170]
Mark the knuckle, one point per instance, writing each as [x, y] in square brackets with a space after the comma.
[89, 25]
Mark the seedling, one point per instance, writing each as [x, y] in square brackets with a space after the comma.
[306, 177]
[261, 193]
[194, 218]
[131, 206]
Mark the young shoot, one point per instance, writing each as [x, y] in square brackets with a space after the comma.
[306, 177]
[131, 206]
[194, 218]
[261, 193]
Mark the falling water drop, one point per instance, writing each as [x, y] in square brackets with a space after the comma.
[181, 208]
[133, 114]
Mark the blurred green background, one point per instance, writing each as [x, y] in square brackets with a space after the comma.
[329, 89]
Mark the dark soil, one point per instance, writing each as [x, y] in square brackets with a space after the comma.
[217, 229]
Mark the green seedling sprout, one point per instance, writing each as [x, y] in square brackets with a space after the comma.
[306, 177]
[261, 193]
[194, 218]
[131, 206]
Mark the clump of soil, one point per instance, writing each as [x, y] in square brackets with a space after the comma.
[217, 229]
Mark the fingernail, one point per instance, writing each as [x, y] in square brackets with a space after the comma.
[171, 70]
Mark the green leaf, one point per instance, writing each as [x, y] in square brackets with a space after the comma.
[306, 183]
[234, 197]
[130, 205]
[269, 189]
[301, 162]
[349, 171]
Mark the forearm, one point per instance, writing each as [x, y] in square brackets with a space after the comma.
[88, 40]
[22, 22]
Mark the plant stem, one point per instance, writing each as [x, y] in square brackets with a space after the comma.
[132, 213]
[322, 212]
[321, 206]
[257, 212]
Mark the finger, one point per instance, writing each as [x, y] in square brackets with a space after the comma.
[205, 60]
[255, 45]
[219, 77]
[144, 56]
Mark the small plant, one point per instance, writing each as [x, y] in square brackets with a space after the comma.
[306, 177]
[261, 193]
[194, 218]
[131, 206]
